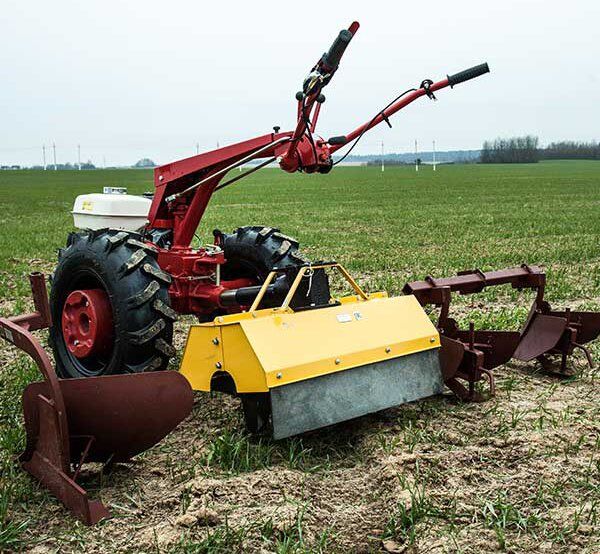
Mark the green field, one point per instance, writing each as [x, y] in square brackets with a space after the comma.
[520, 472]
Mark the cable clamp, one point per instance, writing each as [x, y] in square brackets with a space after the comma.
[386, 119]
[426, 86]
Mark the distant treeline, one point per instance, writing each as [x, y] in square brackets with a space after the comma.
[63, 167]
[510, 151]
[526, 150]
[394, 161]
[143, 163]
[387, 161]
[394, 158]
[571, 150]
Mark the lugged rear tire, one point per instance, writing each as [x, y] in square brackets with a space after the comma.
[254, 251]
[125, 268]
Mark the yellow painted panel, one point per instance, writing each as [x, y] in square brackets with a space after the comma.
[234, 353]
[355, 298]
[241, 361]
[201, 355]
[276, 348]
[315, 342]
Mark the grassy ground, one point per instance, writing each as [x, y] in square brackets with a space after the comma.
[519, 473]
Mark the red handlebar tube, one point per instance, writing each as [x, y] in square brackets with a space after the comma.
[385, 114]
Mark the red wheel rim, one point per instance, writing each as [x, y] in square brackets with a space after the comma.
[87, 322]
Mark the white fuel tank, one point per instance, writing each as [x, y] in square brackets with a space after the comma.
[114, 209]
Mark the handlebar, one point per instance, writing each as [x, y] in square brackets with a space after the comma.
[468, 74]
[318, 78]
[427, 88]
[317, 156]
[331, 59]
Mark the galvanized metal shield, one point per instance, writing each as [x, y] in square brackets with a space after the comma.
[328, 399]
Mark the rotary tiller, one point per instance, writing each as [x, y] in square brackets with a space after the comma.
[269, 329]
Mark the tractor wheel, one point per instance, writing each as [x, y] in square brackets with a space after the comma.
[252, 252]
[110, 306]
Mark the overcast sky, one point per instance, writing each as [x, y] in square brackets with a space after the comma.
[134, 78]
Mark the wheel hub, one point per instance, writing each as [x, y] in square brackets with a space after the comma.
[87, 322]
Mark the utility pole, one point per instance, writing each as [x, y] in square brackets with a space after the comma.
[197, 148]
[44, 155]
[79, 157]
[382, 162]
[434, 155]
[54, 155]
[103, 162]
[416, 157]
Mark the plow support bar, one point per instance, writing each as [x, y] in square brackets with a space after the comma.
[468, 282]
[470, 355]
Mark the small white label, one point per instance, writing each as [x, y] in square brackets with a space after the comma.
[344, 318]
[114, 190]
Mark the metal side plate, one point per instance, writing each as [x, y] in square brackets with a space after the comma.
[328, 399]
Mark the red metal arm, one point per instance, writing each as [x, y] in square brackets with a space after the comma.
[426, 88]
[299, 151]
[385, 114]
[184, 188]
[183, 214]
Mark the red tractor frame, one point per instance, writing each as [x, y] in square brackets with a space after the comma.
[184, 188]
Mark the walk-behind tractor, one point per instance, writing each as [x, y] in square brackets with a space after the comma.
[269, 329]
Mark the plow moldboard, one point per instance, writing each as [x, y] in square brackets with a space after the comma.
[125, 414]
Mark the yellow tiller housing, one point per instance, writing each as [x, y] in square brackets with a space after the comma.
[267, 350]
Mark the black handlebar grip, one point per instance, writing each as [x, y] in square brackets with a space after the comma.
[338, 140]
[332, 58]
[468, 74]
